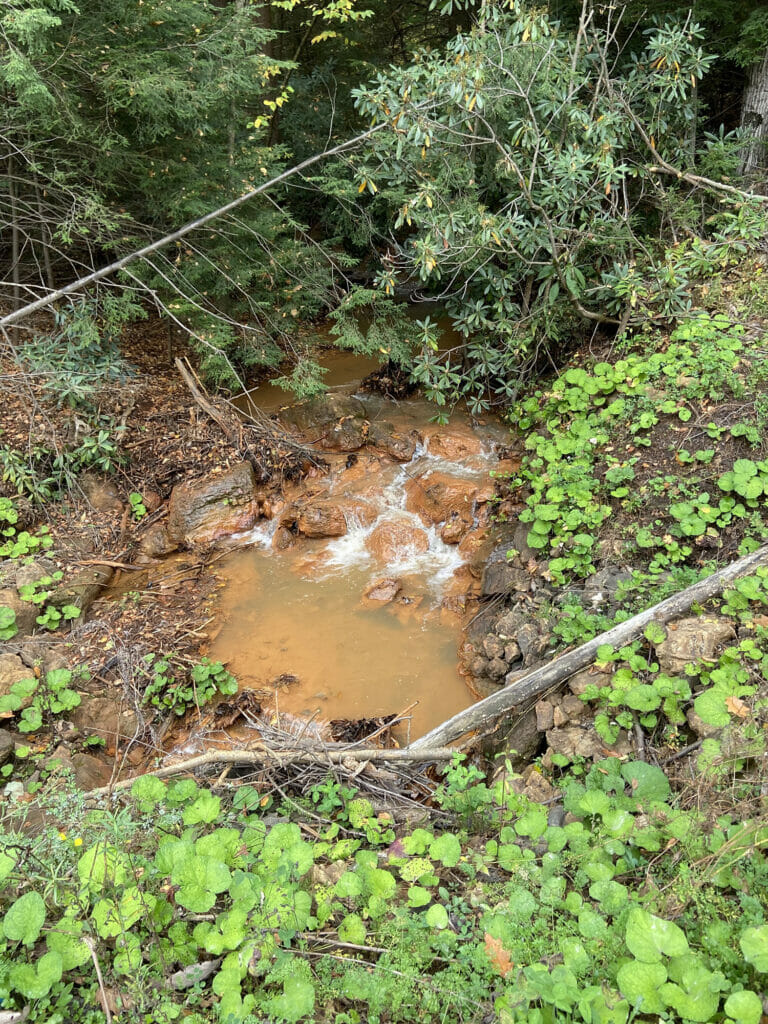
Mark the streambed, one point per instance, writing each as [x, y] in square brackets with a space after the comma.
[293, 619]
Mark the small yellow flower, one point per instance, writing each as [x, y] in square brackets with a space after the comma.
[78, 841]
[62, 836]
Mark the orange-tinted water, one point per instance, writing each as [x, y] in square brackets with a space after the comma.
[300, 612]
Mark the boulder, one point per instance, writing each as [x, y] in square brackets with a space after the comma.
[435, 496]
[218, 505]
[521, 742]
[83, 588]
[322, 519]
[382, 591]
[577, 741]
[398, 446]
[388, 542]
[689, 640]
[33, 571]
[545, 715]
[454, 447]
[103, 717]
[25, 612]
[13, 670]
[333, 422]
[282, 539]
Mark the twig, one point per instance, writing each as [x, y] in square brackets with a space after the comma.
[102, 990]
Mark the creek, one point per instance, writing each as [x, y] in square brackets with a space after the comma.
[294, 623]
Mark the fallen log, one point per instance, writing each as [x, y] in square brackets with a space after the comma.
[276, 758]
[480, 715]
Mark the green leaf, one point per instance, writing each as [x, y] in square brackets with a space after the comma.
[744, 1007]
[36, 981]
[754, 946]
[648, 782]
[297, 1000]
[640, 982]
[418, 896]
[437, 916]
[447, 849]
[204, 810]
[148, 791]
[24, 919]
[648, 937]
[352, 929]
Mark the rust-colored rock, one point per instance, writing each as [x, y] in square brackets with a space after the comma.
[322, 519]
[454, 447]
[218, 505]
[282, 539]
[382, 591]
[389, 541]
[455, 528]
[435, 496]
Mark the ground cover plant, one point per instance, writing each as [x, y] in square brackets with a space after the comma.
[628, 897]
[655, 455]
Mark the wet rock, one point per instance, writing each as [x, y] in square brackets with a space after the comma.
[218, 505]
[400, 447]
[497, 668]
[383, 591]
[13, 670]
[435, 496]
[25, 612]
[475, 544]
[83, 588]
[282, 539]
[521, 545]
[478, 666]
[454, 447]
[455, 529]
[492, 646]
[155, 542]
[600, 589]
[499, 577]
[322, 519]
[333, 422]
[688, 640]
[100, 492]
[7, 746]
[388, 542]
[103, 717]
[579, 681]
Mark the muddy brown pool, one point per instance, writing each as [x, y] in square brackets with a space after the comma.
[294, 624]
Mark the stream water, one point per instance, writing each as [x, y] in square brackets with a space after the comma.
[294, 623]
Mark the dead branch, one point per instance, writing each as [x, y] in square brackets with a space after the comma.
[276, 758]
[535, 683]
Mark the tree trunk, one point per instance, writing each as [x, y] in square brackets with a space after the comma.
[754, 118]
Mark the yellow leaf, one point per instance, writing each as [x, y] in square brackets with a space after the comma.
[429, 201]
[362, 187]
[472, 102]
[607, 188]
